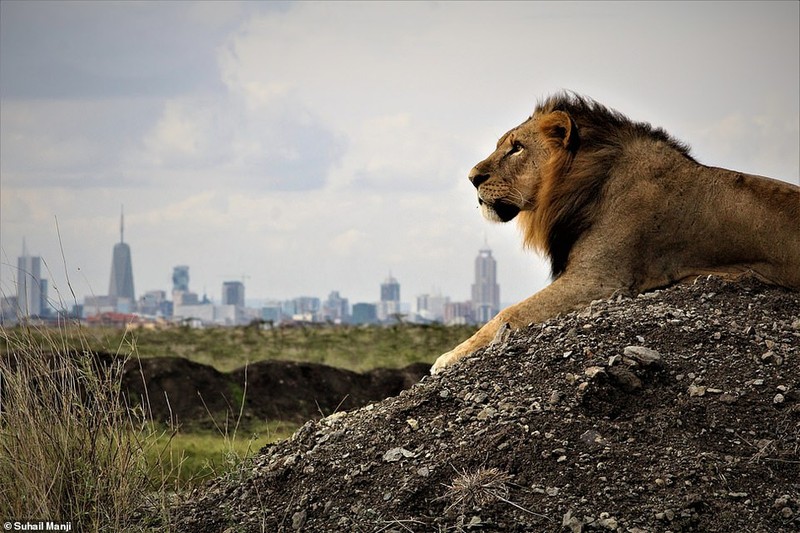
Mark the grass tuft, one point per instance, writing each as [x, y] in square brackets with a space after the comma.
[70, 449]
[478, 488]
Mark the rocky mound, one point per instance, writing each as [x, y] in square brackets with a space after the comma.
[678, 410]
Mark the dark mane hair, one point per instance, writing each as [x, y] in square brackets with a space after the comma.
[573, 179]
[602, 125]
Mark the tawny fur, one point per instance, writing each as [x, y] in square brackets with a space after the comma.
[620, 206]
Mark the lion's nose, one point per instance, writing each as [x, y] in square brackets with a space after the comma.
[477, 178]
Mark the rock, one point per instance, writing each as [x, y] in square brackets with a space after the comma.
[396, 454]
[571, 523]
[592, 437]
[592, 371]
[625, 379]
[608, 523]
[298, 520]
[697, 391]
[487, 412]
[643, 356]
[728, 398]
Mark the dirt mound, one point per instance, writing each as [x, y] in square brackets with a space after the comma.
[678, 410]
[178, 390]
[279, 390]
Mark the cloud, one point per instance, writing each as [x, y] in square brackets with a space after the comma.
[73, 143]
[402, 152]
[87, 50]
[316, 146]
[274, 146]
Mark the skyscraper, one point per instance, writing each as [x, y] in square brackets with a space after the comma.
[336, 308]
[180, 278]
[233, 293]
[390, 299]
[485, 290]
[121, 284]
[29, 284]
[180, 287]
[390, 290]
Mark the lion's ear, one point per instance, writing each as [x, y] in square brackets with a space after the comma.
[558, 126]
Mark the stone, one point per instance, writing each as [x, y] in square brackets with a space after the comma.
[592, 371]
[487, 412]
[571, 523]
[643, 356]
[697, 391]
[298, 520]
[395, 454]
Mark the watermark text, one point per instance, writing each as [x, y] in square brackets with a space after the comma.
[36, 525]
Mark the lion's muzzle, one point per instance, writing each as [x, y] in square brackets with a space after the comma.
[498, 211]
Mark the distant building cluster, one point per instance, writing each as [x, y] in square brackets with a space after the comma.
[182, 306]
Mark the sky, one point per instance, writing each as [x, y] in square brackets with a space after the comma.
[309, 147]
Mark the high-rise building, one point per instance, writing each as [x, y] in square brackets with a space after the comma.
[181, 295]
[154, 303]
[233, 293]
[121, 284]
[336, 309]
[390, 290]
[431, 306]
[364, 313]
[29, 284]
[458, 313]
[485, 290]
[180, 278]
[390, 299]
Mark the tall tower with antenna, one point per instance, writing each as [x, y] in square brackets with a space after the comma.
[121, 285]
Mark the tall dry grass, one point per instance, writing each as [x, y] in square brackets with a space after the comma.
[70, 449]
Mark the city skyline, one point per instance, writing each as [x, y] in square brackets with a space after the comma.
[122, 281]
[234, 309]
[305, 147]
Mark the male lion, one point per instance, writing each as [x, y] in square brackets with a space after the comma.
[620, 206]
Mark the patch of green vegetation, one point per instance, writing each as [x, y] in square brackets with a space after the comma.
[181, 459]
[357, 348]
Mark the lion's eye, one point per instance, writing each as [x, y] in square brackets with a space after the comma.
[516, 146]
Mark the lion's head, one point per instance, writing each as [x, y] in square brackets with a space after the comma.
[549, 171]
[509, 180]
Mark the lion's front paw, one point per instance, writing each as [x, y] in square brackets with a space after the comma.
[442, 361]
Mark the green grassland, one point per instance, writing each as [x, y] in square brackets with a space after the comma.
[357, 348]
[179, 458]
